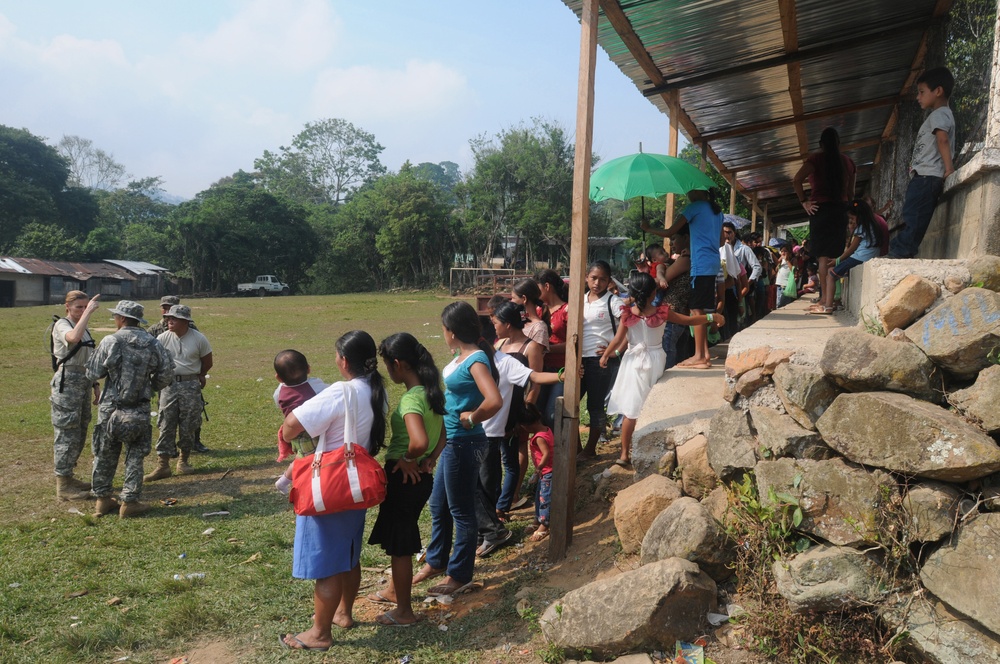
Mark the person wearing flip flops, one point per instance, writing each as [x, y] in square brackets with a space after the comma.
[541, 443]
[471, 397]
[415, 442]
[863, 246]
[327, 548]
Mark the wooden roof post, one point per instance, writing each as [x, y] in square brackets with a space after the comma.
[767, 224]
[732, 195]
[567, 422]
[753, 213]
[674, 108]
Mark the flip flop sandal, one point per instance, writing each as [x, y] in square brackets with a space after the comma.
[539, 537]
[377, 598]
[386, 620]
[301, 646]
[433, 574]
[445, 589]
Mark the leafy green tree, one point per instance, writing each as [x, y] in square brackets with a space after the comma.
[969, 55]
[232, 232]
[32, 178]
[100, 244]
[521, 184]
[327, 161]
[46, 241]
[90, 167]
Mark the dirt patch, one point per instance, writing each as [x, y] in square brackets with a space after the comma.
[211, 652]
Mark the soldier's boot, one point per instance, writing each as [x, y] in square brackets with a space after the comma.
[79, 484]
[136, 508]
[162, 470]
[182, 463]
[66, 491]
[105, 505]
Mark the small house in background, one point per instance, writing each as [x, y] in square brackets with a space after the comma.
[150, 280]
[614, 250]
[33, 281]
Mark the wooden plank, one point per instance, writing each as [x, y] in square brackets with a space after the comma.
[672, 145]
[743, 130]
[568, 409]
[732, 195]
[753, 213]
[790, 35]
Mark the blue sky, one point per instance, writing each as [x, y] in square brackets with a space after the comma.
[194, 90]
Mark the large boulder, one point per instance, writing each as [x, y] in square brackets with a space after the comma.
[804, 392]
[937, 634]
[907, 302]
[780, 435]
[717, 504]
[636, 506]
[965, 572]
[751, 381]
[688, 530]
[861, 362]
[731, 442]
[840, 503]
[828, 578]
[908, 436]
[931, 510]
[649, 608]
[980, 401]
[984, 271]
[959, 334]
[697, 476]
[741, 362]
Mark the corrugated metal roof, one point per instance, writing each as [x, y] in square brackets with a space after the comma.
[10, 265]
[78, 271]
[138, 267]
[733, 62]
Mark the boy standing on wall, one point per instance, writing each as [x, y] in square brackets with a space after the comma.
[931, 163]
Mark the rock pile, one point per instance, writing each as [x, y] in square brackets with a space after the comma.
[887, 448]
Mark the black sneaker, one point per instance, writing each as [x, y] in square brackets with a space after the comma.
[489, 546]
[198, 447]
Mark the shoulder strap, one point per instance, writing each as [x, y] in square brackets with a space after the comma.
[611, 314]
[350, 415]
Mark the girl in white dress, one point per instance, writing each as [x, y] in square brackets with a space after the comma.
[642, 364]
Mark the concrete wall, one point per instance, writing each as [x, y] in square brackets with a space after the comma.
[966, 222]
[29, 289]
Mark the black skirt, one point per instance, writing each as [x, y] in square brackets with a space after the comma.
[828, 230]
[396, 529]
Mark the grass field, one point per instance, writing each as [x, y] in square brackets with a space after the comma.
[78, 589]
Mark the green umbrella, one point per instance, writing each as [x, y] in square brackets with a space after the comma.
[644, 174]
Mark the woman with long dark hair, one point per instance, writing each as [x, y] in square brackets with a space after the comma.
[553, 291]
[415, 442]
[862, 245]
[471, 396]
[328, 547]
[831, 176]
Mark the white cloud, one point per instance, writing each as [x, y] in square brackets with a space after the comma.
[420, 89]
[269, 35]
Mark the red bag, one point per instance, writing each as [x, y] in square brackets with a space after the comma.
[347, 478]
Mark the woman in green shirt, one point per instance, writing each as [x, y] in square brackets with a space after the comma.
[417, 439]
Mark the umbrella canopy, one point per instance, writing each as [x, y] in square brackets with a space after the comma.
[644, 174]
[736, 220]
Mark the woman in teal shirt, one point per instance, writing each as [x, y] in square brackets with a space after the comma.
[471, 396]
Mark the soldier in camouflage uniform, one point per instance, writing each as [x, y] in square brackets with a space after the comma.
[71, 392]
[158, 328]
[181, 402]
[134, 364]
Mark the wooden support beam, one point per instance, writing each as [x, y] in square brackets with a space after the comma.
[753, 213]
[672, 145]
[732, 195]
[680, 81]
[568, 412]
[743, 130]
[790, 35]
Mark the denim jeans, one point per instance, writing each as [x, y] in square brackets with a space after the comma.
[453, 508]
[511, 471]
[921, 197]
[671, 335]
[543, 498]
[487, 490]
[547, 403]
[596, 384]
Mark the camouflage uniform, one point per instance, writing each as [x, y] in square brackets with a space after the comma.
[180, 409]
[71, 397]
[135, 365]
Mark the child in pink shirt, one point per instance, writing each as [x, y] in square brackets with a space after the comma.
[294, 389]
[541, 444]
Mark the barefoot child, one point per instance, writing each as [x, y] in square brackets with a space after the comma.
[642, 364]
[295, 388]
[541, 444]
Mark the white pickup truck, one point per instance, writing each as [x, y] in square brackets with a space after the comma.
[265, 283]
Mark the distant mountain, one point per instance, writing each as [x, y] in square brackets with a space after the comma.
[166, 197]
